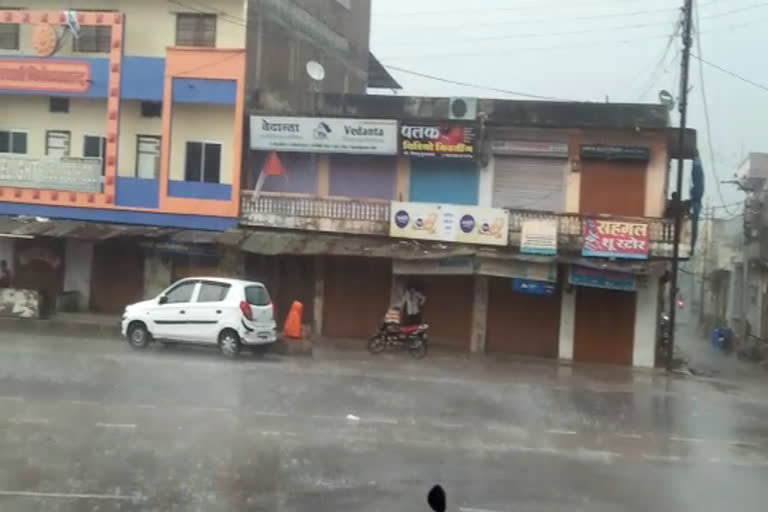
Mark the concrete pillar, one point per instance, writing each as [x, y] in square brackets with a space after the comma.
[158, 273]
[402, 178]
[567, 324]
[485, 186]
[78, 260]
[319, 299]
[398, 289]
[573, 175]
[323, 174]
[7, 246]
[231, 262]
[646, 320]
[479, 315]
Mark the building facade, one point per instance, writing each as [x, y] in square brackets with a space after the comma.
[132, 113]
[534, 229]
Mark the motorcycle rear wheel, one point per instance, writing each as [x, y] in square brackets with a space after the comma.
[418, 350]
[376, 344]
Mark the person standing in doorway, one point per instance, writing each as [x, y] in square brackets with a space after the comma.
[411, 305]
[5, 275]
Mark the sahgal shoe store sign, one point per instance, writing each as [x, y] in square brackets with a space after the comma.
[324, 135]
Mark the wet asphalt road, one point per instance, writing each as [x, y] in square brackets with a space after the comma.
[91, 425]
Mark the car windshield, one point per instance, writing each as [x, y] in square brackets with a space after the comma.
[257, 295]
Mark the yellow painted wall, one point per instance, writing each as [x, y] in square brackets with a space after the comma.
[30, 114]
[131, 125]
[150, 24]
[202, 123]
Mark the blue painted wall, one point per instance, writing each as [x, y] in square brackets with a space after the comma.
[199, 190]
[137, 192]
[201, 90]
[120, 216]
[142, 78]
[444, 180]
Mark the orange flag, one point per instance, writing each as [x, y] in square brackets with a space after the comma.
[273, 166]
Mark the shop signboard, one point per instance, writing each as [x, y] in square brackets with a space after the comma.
[617, 153]
[66, 173]
[529, 148]
[45, 75]
[615, 239]
[449, 223]
[460, 265]
[539, 236]
[594, 278]
[324, 135]
[532, 287]
[433, 140]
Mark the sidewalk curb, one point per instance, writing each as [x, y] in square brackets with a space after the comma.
[55, 326]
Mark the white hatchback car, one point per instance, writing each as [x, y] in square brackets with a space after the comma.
[208, 310]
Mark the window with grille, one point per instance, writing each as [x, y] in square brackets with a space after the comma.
[9, 36]
[13, 142]
[195, 29]
[94, 39]
[203, 162]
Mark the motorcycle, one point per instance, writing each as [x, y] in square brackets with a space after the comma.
[409, 337]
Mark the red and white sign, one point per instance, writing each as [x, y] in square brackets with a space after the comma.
[45, 75]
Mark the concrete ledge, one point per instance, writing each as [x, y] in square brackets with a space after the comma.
[61, 326]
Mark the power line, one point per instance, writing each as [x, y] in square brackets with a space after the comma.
[406, 42]
[707, 120]
[662, 60]
[548, 20]
[537, 4]
[475, 86]
[731, 73]
[603, 42]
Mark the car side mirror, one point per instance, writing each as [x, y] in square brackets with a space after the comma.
[162, 300]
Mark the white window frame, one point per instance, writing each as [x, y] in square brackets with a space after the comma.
[69, 141]
[202, 159]
[11, 131]
[159, 139]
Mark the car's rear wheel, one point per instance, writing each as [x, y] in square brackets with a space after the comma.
[229, 343]
[138, 335]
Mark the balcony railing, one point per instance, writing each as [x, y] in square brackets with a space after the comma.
[314, 213]
[371, 217]
[570, 230]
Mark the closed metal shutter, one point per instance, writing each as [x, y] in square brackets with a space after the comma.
[529, 183]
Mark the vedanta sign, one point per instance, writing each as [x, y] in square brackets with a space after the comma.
[45, 75]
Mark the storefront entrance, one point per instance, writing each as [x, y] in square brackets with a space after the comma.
[604, 325]
[522, 324]
[357, 293]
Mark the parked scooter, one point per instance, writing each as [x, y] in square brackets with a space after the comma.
[392, 335]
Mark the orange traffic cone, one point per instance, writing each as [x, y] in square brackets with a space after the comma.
[292, 325]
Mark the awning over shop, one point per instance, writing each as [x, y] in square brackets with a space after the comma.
[25, 227]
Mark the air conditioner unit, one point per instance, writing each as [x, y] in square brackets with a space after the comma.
[463, 108]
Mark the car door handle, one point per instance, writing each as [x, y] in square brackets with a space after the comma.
[182, 311]
[218, 311]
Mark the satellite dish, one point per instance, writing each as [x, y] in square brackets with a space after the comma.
[667, 99]
[315, 70]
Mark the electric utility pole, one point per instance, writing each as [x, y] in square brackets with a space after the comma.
[678, 213]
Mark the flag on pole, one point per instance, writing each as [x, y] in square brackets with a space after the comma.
[272, 167]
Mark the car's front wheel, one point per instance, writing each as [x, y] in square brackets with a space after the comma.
[229, 343]
[138, 335]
